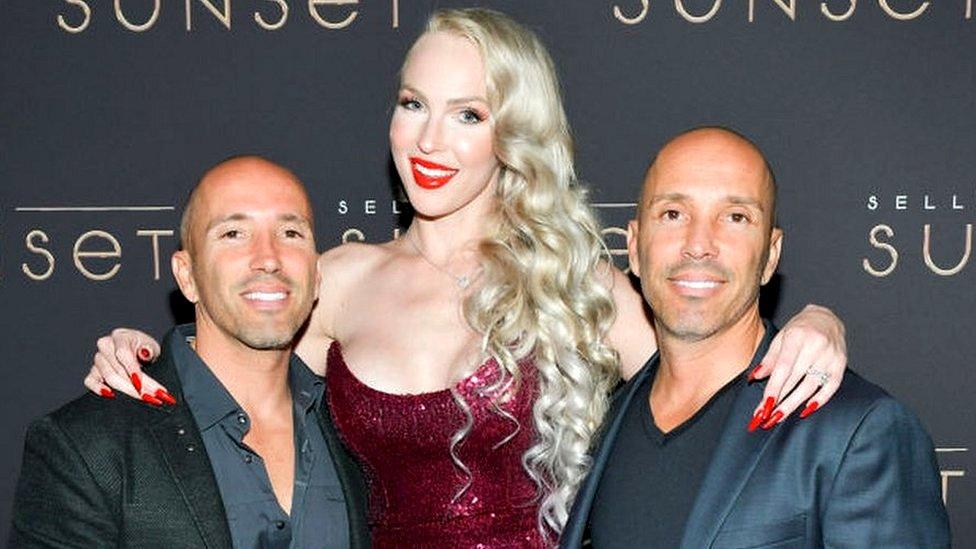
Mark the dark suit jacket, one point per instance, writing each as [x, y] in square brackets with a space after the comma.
[861, 472]
[101, 473]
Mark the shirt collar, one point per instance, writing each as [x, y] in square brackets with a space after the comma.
[209, 400]
[306, 387]
[206, 396]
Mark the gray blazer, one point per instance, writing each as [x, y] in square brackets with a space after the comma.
[861, 472]
[100, 473]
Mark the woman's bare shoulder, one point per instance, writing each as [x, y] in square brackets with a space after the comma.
[341, 270]
[352, 260]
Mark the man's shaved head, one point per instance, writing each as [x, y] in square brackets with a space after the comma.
[707, 140]
[221, 172]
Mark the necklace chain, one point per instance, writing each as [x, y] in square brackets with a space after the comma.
[462, 281]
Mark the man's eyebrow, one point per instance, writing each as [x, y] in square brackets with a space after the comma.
[745, 201]
[227, 218]
[294, 218]
[675, 196]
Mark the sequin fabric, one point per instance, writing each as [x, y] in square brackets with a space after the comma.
[403, 443]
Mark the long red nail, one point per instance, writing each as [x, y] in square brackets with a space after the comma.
[152, 400]
[811, 408]
[144, 354]
[752, 374]
[163, 395]
[773, 420]
[107, 393]
[756, 420]
[136, 382]
[767, 407]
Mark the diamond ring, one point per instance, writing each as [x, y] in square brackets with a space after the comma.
[821, 375]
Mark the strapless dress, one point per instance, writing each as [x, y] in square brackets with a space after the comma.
[417, 494]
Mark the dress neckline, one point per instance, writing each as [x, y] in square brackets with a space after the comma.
[335, 351]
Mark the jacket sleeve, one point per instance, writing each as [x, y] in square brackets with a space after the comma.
[887, 491]
[58, 502]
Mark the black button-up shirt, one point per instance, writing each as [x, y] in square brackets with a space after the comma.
[318, 511]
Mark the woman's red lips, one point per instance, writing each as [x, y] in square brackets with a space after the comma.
[430, 175]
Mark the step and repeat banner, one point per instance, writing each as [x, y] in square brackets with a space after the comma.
[111, 109]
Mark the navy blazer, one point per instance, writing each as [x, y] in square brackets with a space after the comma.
[101, 473]
[861, 472]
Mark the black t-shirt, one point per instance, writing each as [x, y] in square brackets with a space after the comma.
[652, 478]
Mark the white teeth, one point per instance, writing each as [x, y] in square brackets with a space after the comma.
[265, 296]
[697, 284]
[431, 172]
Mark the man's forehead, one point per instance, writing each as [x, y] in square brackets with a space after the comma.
[250, 190]
[729, 184]
[711, 165]
[258, 215]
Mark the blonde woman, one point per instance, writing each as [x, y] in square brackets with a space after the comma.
[469, 362]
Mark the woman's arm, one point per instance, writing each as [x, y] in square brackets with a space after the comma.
[632, 333]
[116, 365]
[813, 340]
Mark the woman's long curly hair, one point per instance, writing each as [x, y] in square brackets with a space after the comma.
[541, 294]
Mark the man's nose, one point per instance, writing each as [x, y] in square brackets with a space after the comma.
[700, 241]
[265, 253]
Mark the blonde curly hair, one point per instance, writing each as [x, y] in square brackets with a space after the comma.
[541, 294]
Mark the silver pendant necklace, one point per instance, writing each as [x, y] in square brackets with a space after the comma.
[462, 281]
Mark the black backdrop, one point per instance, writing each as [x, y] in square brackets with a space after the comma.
[109, 110]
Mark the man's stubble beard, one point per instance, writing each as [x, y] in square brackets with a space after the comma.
[696, 326]
[256, 334]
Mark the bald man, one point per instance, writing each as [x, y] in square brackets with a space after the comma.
[243, 453]
[686, 460]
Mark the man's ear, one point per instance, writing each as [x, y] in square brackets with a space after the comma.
[772, 260]
[183, 273]
[632, 231]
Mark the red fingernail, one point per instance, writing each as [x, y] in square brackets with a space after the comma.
[811, 408]
[773, 420]
[767, 407]
[163, 395]
[136, 382]
[756, 420]
[152, 400]
[144, 354]
[752, 374]
[107, 393]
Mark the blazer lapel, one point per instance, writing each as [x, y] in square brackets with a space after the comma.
[572, 535]
[182, 449]
[732, 465]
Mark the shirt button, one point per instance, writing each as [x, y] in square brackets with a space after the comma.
[241, 418]
[248, 458]
[280, 524]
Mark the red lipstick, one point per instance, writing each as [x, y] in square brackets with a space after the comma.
[430, 175]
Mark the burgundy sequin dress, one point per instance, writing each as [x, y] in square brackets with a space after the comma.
[403, 443]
